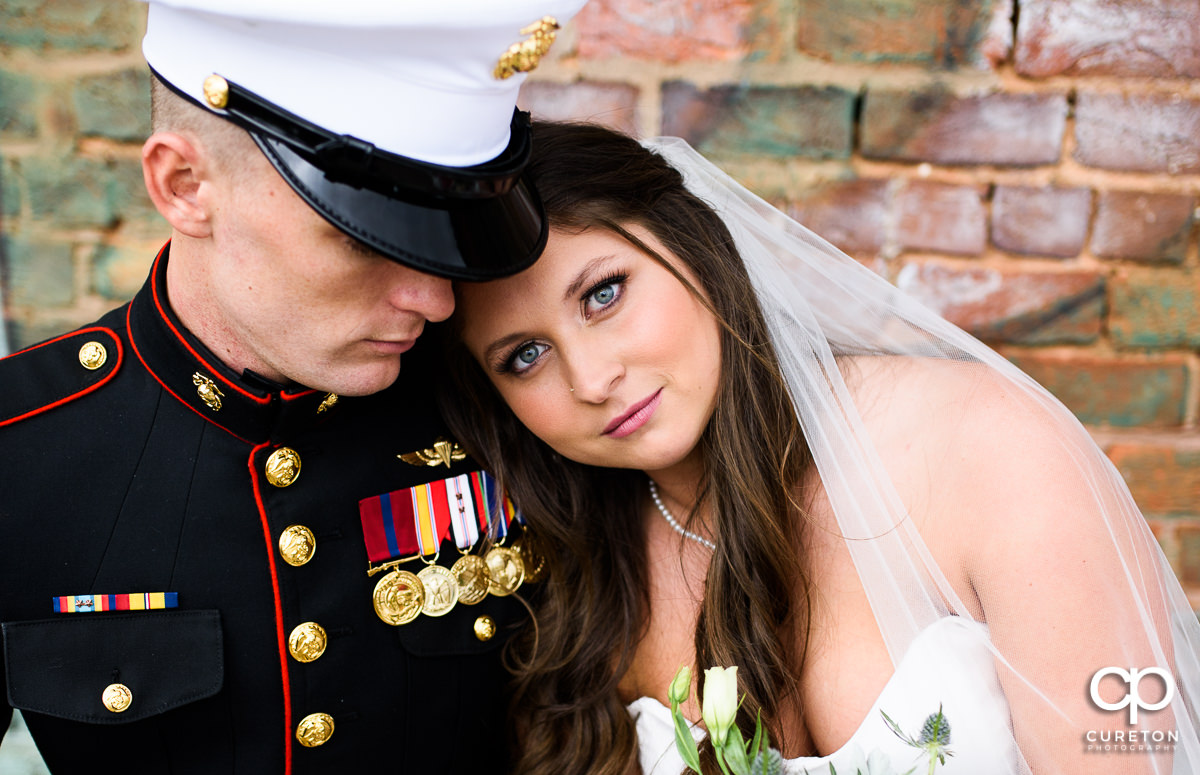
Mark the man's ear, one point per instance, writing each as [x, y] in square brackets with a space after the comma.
[174, 168]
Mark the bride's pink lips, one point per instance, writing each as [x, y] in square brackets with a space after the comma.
[635, 418]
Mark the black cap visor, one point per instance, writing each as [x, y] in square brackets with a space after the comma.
[466, 223]
[479, 238]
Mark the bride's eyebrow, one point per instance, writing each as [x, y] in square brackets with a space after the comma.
[589, 269]
[501, 344]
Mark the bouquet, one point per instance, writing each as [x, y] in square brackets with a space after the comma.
[737, 757]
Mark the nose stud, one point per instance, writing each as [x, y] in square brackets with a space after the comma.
[572, 390]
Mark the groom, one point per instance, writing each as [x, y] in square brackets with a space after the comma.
[190, 582]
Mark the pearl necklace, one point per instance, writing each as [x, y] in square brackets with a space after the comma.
[662, 509]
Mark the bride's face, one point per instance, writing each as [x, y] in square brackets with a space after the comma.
[599, 350]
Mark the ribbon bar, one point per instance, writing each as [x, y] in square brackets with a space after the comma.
[137, 601]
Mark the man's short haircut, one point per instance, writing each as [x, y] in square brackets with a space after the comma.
[169, 112]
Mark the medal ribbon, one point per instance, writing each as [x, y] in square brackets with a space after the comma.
[464, 519]
[415, 521]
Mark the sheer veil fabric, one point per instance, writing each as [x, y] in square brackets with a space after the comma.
[1122, 607]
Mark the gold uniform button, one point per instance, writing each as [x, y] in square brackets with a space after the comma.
[297, 545]
[485, 628]
[117, 698]
[314, 729]
[307, 642]
[216, 91]
[283, 467]
[92, 356]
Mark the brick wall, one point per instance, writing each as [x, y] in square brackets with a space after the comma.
[1031, 168]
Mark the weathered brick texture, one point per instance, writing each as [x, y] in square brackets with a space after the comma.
[1108, 37]
[1011, 304]
[1143, 226]
[1139, 133]
[1155, 308]
[1164, 480]
[1147, 392]
[942, 218]
[666, 30]
[939, 35]
[611, 104]
[1041, 221]
[766, 121]
[935, 125]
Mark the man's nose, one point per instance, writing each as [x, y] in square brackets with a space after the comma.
[430, 297]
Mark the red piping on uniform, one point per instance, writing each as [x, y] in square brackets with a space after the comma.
[163, 385]
[283, 652]
[158, 303]
[73, 396]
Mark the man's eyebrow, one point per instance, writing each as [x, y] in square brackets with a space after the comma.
[587, 271]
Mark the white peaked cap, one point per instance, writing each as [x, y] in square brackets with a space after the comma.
[412, 77]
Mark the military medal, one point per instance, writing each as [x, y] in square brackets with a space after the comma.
[471, 573]
[441, 590]
[534, 563]
[399, 597]
[505, 571]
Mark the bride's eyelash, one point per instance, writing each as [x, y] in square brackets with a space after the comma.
[614, 278]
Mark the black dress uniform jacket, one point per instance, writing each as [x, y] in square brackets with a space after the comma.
[122, 479]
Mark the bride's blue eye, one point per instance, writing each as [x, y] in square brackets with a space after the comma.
[603, 293]
[525, 356]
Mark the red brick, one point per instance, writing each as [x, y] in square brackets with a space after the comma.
[941, 217]
[1188, 536]
[1143, 227]
[1121, 392]
[665, 30]
[611, 104]
[934, 34]
[936, 126]
[1041, 221]
[851, 214]
[1011, 304]
[1109, 37]
[1139, 133]
[1164, 480]
[763, 120]
[1155, 308]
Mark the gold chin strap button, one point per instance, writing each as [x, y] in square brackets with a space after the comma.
[297, 545]
[283, 467]
[117, 698]
[92, 356]
[314, 729]
[485, 628]
[307, 642]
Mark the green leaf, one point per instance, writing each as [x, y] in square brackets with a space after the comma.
[685, 743]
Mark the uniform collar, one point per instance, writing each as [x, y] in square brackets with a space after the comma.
[249, 407]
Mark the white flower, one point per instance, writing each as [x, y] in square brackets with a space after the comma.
[681, 687]
[720, 702]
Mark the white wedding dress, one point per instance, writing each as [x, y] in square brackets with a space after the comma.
[949, 665]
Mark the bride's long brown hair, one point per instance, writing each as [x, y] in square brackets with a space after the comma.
[592, 608]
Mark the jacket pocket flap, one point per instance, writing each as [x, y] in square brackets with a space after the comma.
[69, 667]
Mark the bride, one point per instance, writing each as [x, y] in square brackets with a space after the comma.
[733, 445]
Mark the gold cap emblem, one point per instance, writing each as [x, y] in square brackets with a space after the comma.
[283, 467]
[208, 391]
[485, 628]
[443, 452]
[525, 56]
[307, 642]
[314, 729]
[297, 545]
[216, 91]
[330, 400]
[92, 355]
[117, 698]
